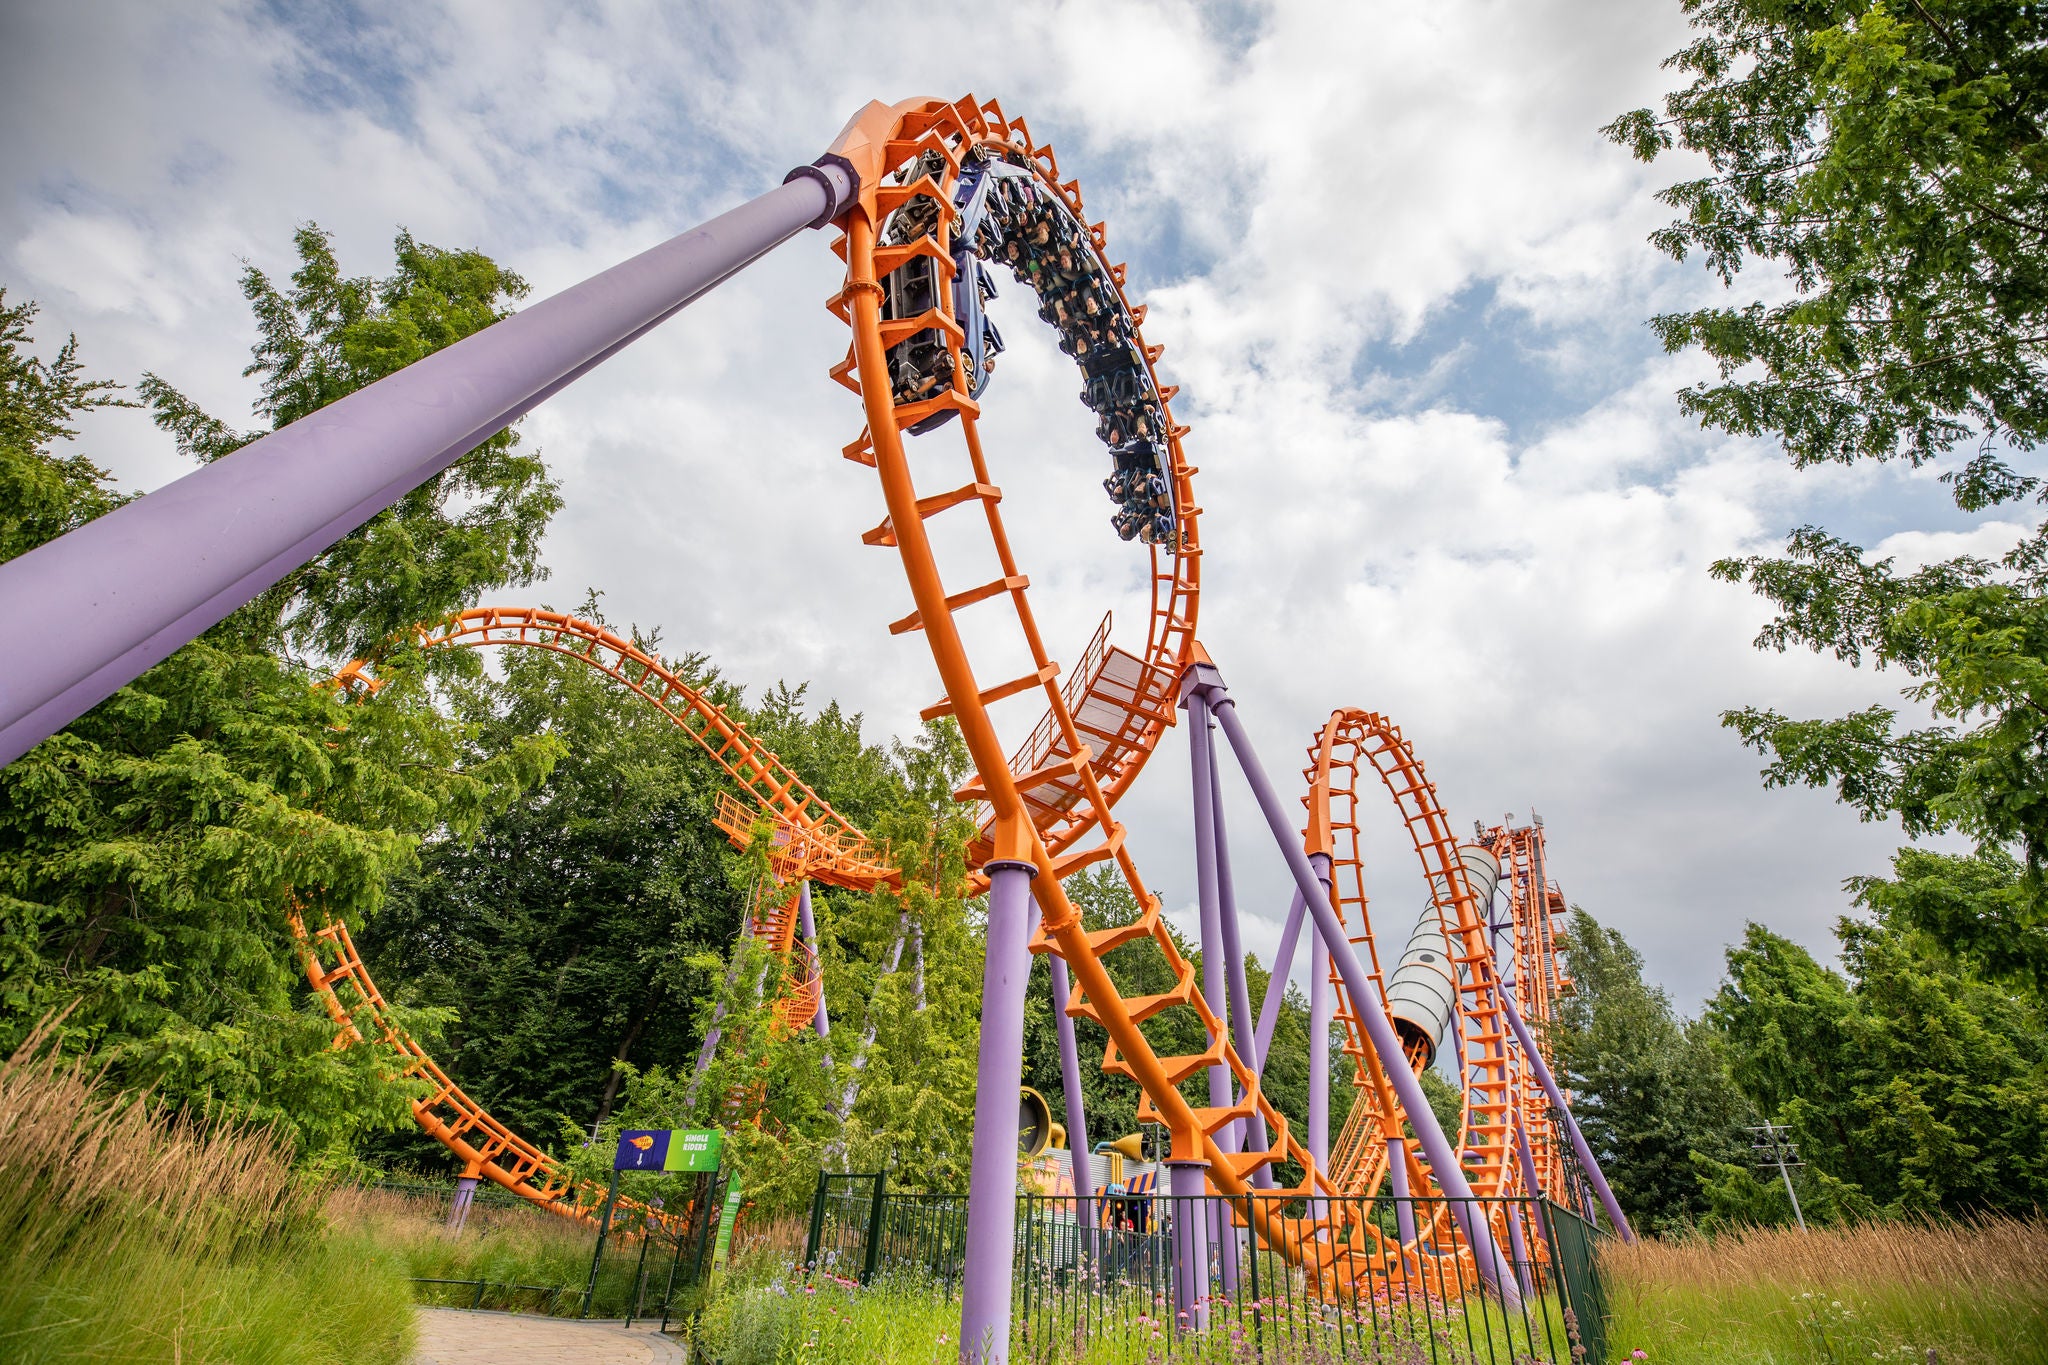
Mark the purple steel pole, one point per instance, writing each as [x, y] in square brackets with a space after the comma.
[1189, 1183]
[1215, 970]
[1594, 1175]
[1443, 1159]
[458, 1209]
[713, 1034]
[122, 592]
[1319, 1012]
[999, 1075]
[1519, 1249]
[1397, 1173]
[1276, 985]
[1242, 1033]
[810, 928]
[1077, 1123]
[1529, 1185]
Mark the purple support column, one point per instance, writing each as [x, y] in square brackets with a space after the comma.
[1519, 1248]
[458, 1208]
[1276, 987]
[1077, 1122]
[992, 1177]
[1189, 1182]
[716, 1032]
[1443, 1158]
[1215, 967]
[1594, 1176]
[1527, 1159]
[1397, 1176]
[1241, 1030]
[810, 928]
[119, 594]
[1319, 1011]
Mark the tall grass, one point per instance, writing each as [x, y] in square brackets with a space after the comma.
[1954, 1294]
[529, 1260]
[131, 1234]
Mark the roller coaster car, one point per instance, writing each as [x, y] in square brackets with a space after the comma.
[1002, 212]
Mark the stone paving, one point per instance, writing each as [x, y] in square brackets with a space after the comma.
[455, 1336]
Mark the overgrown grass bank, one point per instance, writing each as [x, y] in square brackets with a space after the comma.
[128, 1234]
[1955, 1295]
[506, 1247]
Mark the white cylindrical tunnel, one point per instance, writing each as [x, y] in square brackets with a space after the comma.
[1424, 989]
[1482, 874]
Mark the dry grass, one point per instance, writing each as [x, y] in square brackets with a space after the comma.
[1956, 1294]
[130, 1233]
[505, 1247]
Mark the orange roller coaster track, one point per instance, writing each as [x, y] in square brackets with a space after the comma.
[809, 839]
[1052, 804]
[1353, 744]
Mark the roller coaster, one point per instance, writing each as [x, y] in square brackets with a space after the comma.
[929, 198]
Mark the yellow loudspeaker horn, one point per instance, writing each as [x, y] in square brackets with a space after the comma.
[1132, 1148]
[1034, 1123]
[1059, 1137]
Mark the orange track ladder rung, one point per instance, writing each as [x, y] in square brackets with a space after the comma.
[1013, 583]
[944, 706]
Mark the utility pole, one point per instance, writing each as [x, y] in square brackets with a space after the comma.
[1774, 1148]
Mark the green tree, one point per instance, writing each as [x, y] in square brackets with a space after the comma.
[1888, 156]
[569, 931]
[1911, 1086]
[478, 524]
[1651, 1091]
[43, 493]
[150, 852]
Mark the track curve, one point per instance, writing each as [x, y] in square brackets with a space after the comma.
[810, 839]
[1352, 744]
[1079, 827]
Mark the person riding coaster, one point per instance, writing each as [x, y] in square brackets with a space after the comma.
[1002, 213]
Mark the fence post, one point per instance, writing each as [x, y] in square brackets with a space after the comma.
[604, 1228]
[1251, 1238]
[640, 1270]
[817, 1224]
[867, 1270]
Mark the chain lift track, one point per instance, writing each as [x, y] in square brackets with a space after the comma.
[1534, 903]
[809, 839]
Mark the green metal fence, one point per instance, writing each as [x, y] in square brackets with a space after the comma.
[1088, 1272]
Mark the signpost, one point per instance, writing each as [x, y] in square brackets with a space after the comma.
[666, 1150]
[726, 1217]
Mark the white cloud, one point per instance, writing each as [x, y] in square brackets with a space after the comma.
[1532, 606]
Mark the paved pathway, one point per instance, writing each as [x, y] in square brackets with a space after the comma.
[455, 1336]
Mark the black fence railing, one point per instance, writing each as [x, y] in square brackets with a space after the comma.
[641, 1269]
[1378, 1280]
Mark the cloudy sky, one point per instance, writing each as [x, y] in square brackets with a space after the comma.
[1401, 278]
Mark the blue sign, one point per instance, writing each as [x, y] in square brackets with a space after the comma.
[641, 1149]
